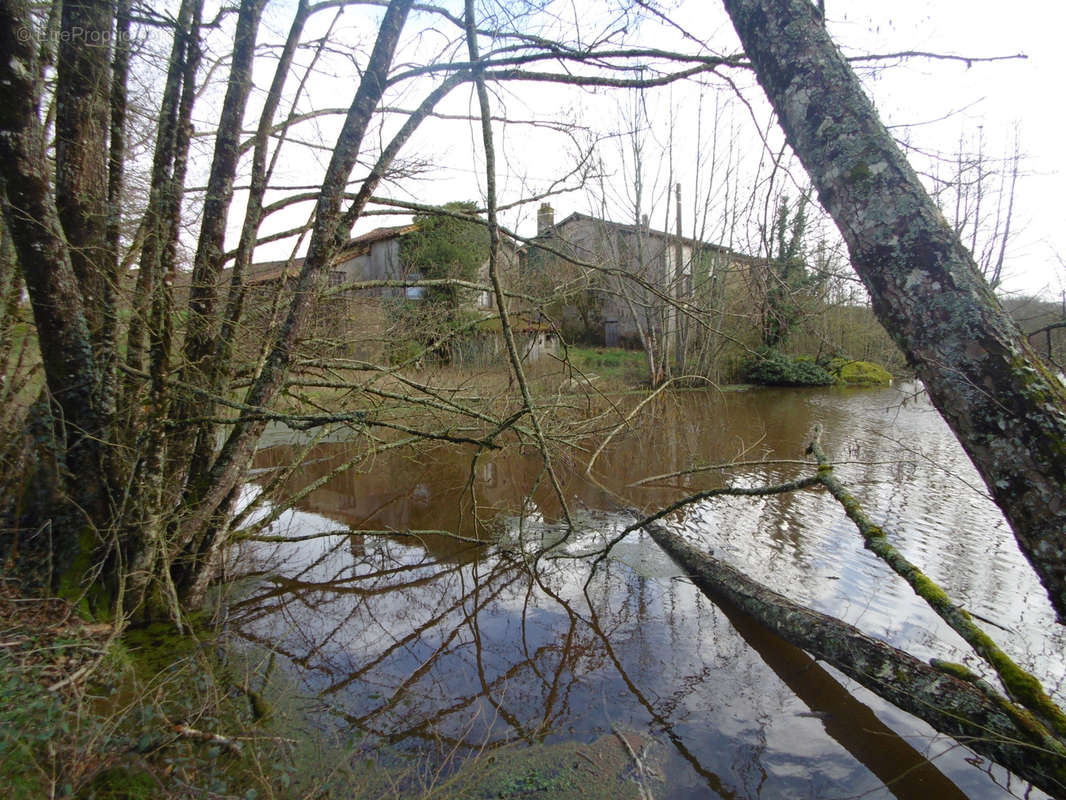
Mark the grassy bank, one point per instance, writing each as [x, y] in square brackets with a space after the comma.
[88, 714]
[85, 713]
[618, 367]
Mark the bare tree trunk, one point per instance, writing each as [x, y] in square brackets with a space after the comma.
[222, 365]
[200, 536]
[153, 315]
[1007, 409]
[83, 80]
[170, 121]
[204, 288]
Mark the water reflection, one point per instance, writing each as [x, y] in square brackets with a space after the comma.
[440, 646]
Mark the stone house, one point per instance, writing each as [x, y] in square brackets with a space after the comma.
[374, 257]
[617, 284]
[365, 278]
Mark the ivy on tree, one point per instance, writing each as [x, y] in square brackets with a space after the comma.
[787, 277]
[443, 247]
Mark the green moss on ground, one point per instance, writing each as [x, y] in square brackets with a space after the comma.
[87, 715]
[860, 373]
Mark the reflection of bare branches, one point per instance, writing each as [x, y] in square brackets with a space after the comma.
[339, 587]
[482, 592]
[713, 780]
[494, 247]
[721, 468]
[770, 462]
[419, 534]
[725, 491]
[626, 420]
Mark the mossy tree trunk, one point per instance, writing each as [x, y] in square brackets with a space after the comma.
[1007, 409]
[59, 233]
[951, 703]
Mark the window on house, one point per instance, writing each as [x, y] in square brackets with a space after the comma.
[484, 300]
[336, 278]
[414, 292]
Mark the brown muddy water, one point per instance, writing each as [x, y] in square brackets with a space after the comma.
[446, 650]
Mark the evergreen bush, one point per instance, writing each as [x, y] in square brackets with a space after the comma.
[773, 368]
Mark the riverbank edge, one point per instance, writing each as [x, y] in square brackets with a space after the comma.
[90, 713]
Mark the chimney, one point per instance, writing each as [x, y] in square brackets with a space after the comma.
[545, 218]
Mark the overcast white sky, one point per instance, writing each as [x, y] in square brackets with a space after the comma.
[1027, 92]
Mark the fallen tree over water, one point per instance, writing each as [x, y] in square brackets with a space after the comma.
[951, 700]
[1003, 403]
[1022, 729]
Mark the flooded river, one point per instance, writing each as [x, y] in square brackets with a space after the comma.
[448, 650]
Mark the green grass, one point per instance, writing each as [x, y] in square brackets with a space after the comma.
[610, 362]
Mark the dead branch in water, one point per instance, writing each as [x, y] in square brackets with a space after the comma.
[970, 711]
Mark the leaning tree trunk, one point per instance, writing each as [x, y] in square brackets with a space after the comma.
[965, 710]
[1007, 409]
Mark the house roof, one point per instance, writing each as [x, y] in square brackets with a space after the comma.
[266, 271]
[630, 228]
[380, 234]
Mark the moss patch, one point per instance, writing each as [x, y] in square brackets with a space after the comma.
[860, 373]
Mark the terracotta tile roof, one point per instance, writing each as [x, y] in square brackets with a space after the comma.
[380, 234]
[267, 271]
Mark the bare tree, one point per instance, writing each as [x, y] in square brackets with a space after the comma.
[976, 191]
[141, 496]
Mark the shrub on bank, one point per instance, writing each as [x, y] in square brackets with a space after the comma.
[773, 368]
